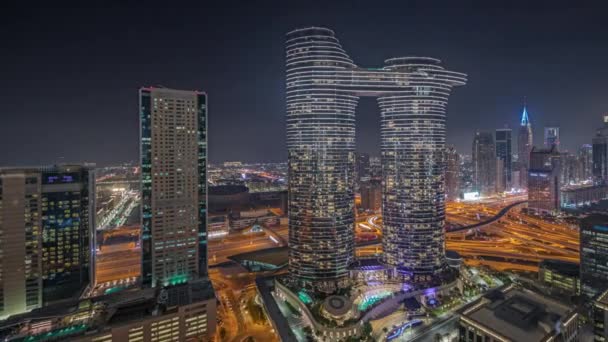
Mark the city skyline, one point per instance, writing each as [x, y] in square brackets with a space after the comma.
[98, 68]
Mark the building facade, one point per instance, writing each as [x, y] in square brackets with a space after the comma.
[600, 154]
[504, 153]
[173, 130]
[452, 174]
[524, 146]
[323, 88]
[600, 318]
[544, 181]
[484, 163]
[512, 314]
[48, 235]
[552, 137]
[594, 254]
[585, 162]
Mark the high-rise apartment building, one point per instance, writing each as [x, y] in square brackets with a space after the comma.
[544, 180]
[484, 163]
[452, 174]
[323, 88]
[47, 227]
[503, 152]
[594, 254]
[173, 133]
[524, 146]
[552, 137]
[600, 154]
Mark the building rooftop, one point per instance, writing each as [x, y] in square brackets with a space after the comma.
[518, 315]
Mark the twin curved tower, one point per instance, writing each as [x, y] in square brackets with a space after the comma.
[323, 88]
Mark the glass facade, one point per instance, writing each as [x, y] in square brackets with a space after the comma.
[323, 88]
[67, 207]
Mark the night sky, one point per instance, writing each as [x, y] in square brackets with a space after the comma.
[69, 76]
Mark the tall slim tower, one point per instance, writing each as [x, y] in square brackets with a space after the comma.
[503, 151]
[452, 174]
[323, 88]
[173, 156]
[524, 145]
[484, 163]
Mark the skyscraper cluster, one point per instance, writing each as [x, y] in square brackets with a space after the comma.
[323, 88]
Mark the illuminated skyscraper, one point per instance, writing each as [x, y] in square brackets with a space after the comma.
[323, 88]
[594, 254]
[524, 146]
[173, 134]
[503, 151]
[585, 162]
[484, 163]
[47, 227]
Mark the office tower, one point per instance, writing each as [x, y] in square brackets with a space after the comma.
[371, 195]
[363, 168]
[585, 157]
[503, 151]
[600, 154]
[552, 137]
[544, 180]
[174, 186]
[484, 163]
[594, 254]
[323, 87]
[452, 174]
[47, 220]
[68, 230]
[524, 146]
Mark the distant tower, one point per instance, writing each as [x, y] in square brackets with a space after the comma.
[452, 173]
[600, 154]
[544, 180]
[552, 137]
[524, 145]
[503, 152]
[484, 163]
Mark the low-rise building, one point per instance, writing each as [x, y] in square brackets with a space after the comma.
[517, 315]
[560, 276]
[185, 312]
[575, 196]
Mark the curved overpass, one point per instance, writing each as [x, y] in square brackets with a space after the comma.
[494, 218]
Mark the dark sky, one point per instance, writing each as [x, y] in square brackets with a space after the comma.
[69, 75]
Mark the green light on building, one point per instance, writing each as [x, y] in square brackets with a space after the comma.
[304, 297]
[177, 279]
